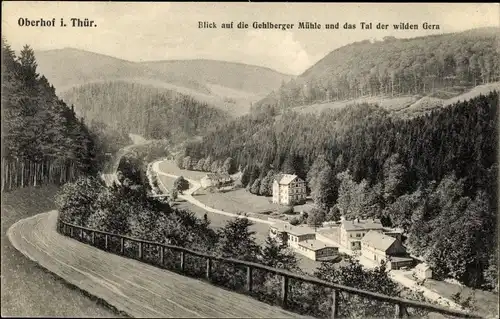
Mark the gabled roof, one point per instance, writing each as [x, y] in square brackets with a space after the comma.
[361, 224]
[285, 179]
[293, 230]
[378, 240]
[422, 267]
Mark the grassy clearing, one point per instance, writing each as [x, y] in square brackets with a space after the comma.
[236, 201]
[28, 289]
[171, 168]
[485, 301]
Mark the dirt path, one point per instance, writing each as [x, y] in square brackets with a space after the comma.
[27, 289]
[138, 289]
[195, 185]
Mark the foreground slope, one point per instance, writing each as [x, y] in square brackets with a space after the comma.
[138, 289]
[28, 290]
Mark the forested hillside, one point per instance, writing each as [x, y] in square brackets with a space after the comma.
[42, 138]
[151, 112]
[433, 175]
[239, 76]
[437, 65]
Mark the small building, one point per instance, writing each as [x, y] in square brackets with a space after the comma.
[216, 180]
[277, 231]
[297, 234]
[352, 231]
[398, 262]
[317, 250]
[396, 233]
[423, 271]
[378, 247]
[288, 190]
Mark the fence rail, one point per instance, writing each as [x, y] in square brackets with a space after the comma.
[400, 304]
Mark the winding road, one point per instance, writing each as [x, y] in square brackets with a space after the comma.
[136, 288]
[188, 196]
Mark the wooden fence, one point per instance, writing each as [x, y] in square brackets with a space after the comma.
[18, 173]
[90, 236]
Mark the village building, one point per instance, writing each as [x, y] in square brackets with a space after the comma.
[216, 180]
[352, 231]
[288, 190]
[422, 271]
[302, 239]
[317, 250]
[379, 247]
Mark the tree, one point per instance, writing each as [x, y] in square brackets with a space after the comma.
[333, 214]
[278, 255]
[266, 185]
[245, 176]
[316, 217]
[76, 201]
[255, 188]
[186, 163]
[351, 273]
[181, 184]
[180, 161]
[200, 165]
[237, 241]
[394, 174]
[174, 192]
[325, 191]
[207, 164]
[229, 166]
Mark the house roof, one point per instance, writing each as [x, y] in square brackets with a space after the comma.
[285, 179]
[299, 230]
[314, 244]
[361, 224]
[423, 267]
[294, 230]
[378, 240]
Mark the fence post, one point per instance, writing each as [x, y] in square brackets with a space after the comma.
[399, 310]
[335, 304]
[284, 290]
[182, 260]
[249, 278]
[81, 234]
[209, 268]
[71, 231]
[162, 254]
[93, 237]
[106, 241]
[140, 250]
[122, 245]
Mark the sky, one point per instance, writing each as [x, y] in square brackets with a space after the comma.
[169, 31]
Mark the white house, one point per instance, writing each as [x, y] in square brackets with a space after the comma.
[289, 190]
[423, 271]
[352, 231]
[379, 247]
[215, 179]
[303, 240]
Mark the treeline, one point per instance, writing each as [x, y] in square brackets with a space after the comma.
[154, 113]
[449, 62]
[126, 210]
[42, 138]
[206, 164]
[365, 163]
